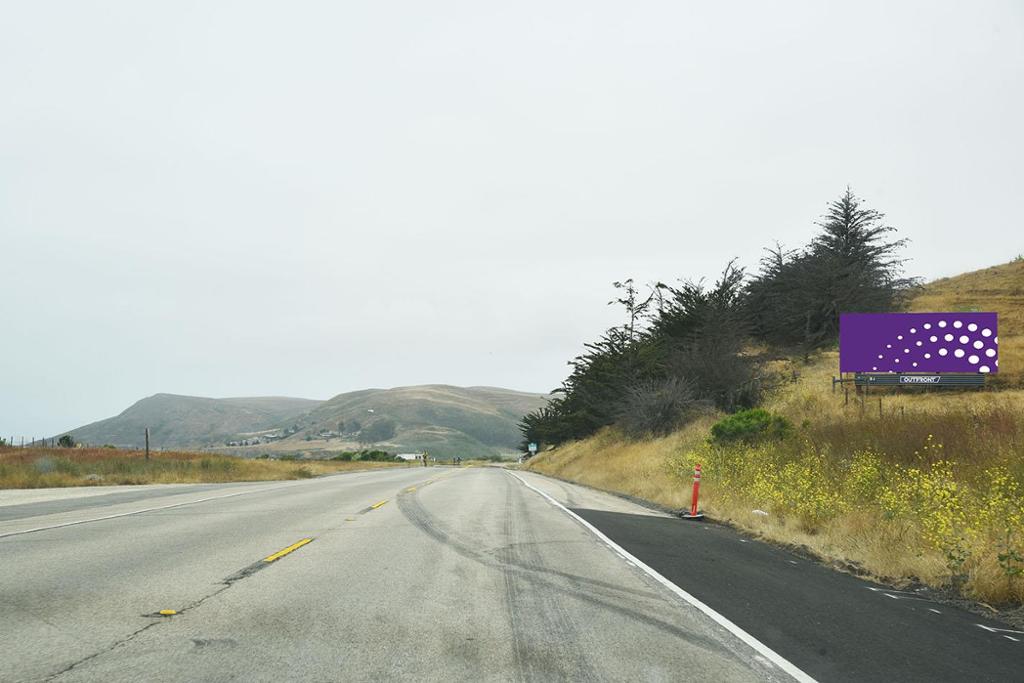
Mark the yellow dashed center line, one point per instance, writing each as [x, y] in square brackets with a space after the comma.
[377, 505]
[410, 489]
[281, 553]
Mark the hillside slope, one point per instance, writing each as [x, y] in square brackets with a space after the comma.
[445, 420]
[189, 421]
[442, 419]
[1000, 289]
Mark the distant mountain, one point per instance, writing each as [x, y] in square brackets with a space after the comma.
[444, 420]
[191, 421]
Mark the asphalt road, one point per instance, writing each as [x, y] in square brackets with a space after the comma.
[832, 625]
[410, 574]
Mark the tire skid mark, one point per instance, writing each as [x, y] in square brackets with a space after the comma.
[596, 593]
[512, 599]
[553, 623]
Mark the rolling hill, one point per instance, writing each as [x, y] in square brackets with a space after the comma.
[188, 421]
[442, 419]
[445, 420]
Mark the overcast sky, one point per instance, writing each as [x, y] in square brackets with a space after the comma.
[244, 198]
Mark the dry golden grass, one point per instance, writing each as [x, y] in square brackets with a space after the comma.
[59, 467]
[813, 398]
[999, 289]
[611, 462]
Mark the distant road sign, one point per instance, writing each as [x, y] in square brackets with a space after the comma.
[532, 447]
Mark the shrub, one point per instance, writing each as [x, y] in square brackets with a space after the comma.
[376, 456]
[66, 441]
[657, 407]
[750, 426]
[45, 464]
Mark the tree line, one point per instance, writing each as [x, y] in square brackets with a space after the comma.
[687, 347]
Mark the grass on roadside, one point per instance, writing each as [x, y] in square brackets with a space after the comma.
[59, 467]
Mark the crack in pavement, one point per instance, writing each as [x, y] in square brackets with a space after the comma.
[105, 650]
[223, 585]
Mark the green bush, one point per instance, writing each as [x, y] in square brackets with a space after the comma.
[750, 426]
[374, 455]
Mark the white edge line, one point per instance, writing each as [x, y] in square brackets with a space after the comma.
[136, 512]
[722, 621]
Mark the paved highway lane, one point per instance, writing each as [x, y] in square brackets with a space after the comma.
[416, 574]
[25, 503]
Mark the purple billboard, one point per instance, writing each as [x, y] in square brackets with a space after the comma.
[918, 342]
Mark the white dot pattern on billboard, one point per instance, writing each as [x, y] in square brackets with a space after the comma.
[973, 347]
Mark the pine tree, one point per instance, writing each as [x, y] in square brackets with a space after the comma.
[848, 267]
